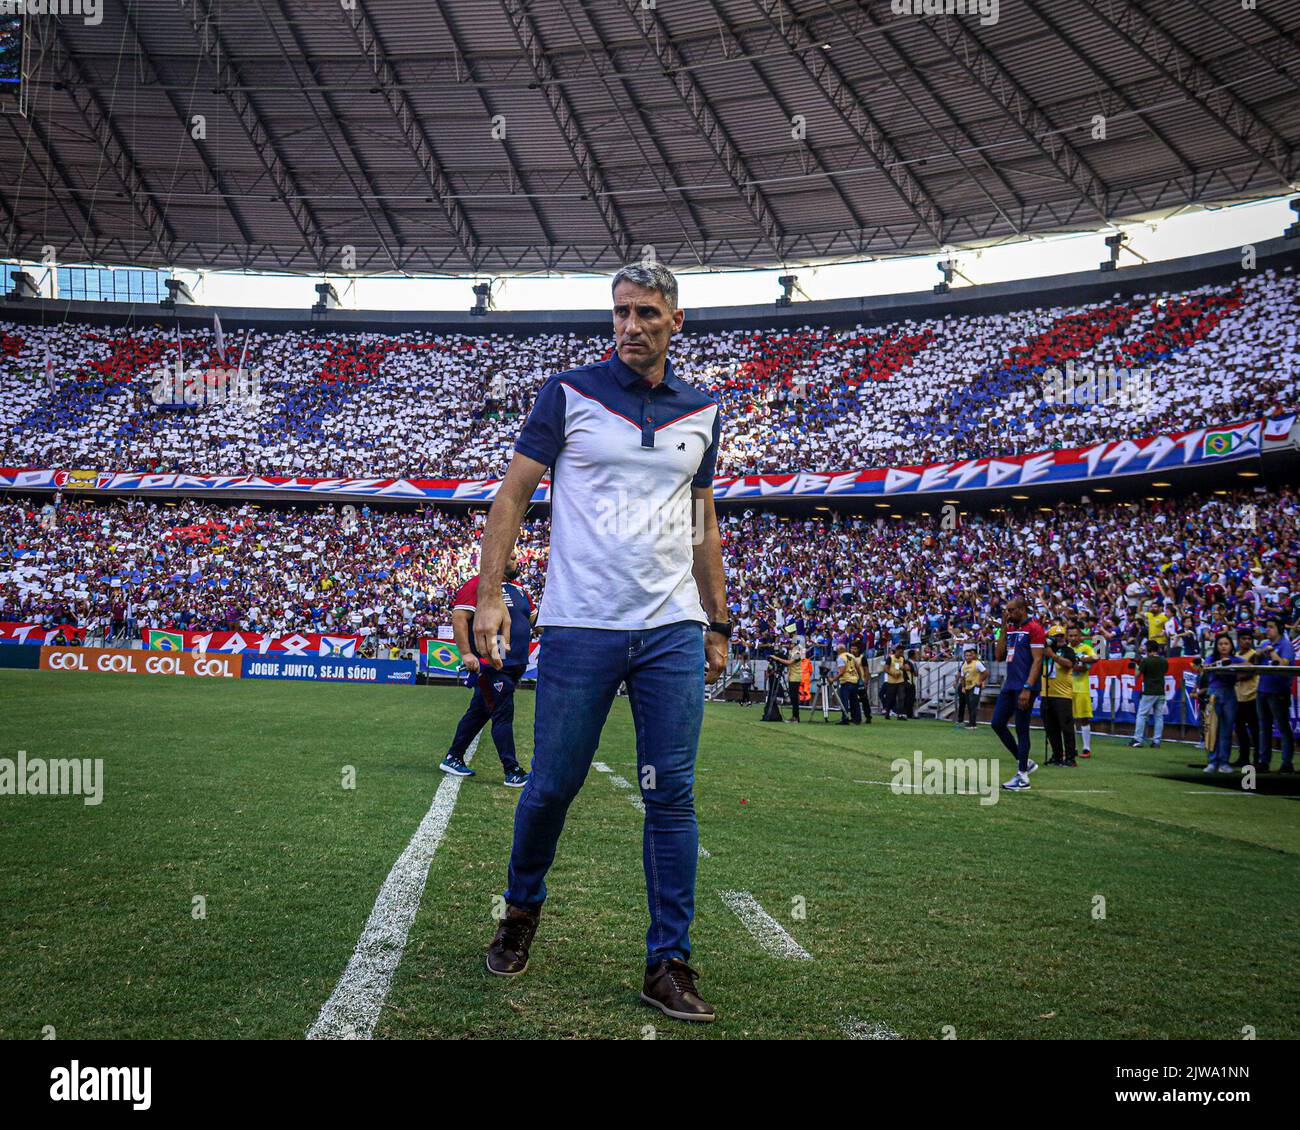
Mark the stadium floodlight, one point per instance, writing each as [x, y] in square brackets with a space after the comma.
[178, 294]
[787, 289]
[947, 268]
[1114, 242]
[329, 298]
[1293, 232]
[24, 287]
[482, 300]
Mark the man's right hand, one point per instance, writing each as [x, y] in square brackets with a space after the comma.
[490, 621]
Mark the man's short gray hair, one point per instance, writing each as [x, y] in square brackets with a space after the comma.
[652, 276]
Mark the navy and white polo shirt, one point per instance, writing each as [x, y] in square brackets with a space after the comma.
[623, 458]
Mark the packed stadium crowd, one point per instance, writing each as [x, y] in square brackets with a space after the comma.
[1178, 571]
[419, 405]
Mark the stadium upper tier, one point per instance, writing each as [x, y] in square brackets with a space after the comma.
[898, 393]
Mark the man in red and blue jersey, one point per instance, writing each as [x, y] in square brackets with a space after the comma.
[1021, 644]
[494, 691]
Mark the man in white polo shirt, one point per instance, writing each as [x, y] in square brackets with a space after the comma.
[634, 593]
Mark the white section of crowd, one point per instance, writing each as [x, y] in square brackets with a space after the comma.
[451, 405]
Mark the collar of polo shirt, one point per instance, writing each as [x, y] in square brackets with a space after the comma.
[628, 376]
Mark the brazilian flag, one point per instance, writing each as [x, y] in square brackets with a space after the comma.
[441, 657]
[165, 641]
[1222, 443]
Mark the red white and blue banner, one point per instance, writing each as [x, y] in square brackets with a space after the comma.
[1168, 452]
[302, 644]
[12, 632]
[1197, 447]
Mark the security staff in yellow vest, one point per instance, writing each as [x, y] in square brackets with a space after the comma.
[864, 681]
[1057, 705]
[848, 681]
[891, 693]
[970, 685]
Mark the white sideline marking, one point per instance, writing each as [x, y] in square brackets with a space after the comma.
[353, 1007]
[1076, 790]
[856, 1029]
[766, 930]
[637, 802]
[914, 788]
[1218, 792]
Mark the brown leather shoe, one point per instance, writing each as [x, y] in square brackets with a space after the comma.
[670, 987]
[507, 956]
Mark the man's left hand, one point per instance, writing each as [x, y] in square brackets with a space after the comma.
[715, 656]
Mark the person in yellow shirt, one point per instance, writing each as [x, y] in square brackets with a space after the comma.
[970, 684]
[1156, 621]
[1081, 691]
[1057, 706]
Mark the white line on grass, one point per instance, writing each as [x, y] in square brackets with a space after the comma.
[856, 1029]
[1076, 790]
[913, 788]
[767, 931]
[353, 1007]
[620, 782]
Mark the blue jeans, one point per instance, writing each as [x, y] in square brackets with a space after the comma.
[1225, 708]
[1275, 709]
[578, 673]
[489, 702]
[1148, 705]
[1003, 710]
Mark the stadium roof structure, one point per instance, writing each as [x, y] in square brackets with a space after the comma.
[524, 136]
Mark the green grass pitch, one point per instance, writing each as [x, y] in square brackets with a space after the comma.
[924, 914]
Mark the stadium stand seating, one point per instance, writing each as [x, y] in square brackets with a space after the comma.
[1221, 560]
[435, 406]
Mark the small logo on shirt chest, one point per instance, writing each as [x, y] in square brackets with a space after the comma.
[681, 446]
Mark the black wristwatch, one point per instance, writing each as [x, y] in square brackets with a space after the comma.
[722, 627]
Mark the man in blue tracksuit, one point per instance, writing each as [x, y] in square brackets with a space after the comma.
[494, 691]
[1021, 644]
